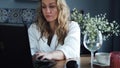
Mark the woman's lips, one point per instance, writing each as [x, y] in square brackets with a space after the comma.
[48, 16]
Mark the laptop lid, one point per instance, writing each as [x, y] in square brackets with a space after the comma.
[14, 46]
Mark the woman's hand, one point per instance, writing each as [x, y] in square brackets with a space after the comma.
[42, 56]
[55, 55]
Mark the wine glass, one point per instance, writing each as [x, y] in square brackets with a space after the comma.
[92, 42]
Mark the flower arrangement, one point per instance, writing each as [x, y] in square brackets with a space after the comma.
[98, 22]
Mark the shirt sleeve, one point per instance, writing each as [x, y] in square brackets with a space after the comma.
[33, 38]
[71, 46]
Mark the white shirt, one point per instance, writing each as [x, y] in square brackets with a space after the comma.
[70, 48]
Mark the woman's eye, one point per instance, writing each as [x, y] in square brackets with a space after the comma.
[43, 7]
[52, 6]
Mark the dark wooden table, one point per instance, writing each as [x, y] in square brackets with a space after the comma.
[84, 62]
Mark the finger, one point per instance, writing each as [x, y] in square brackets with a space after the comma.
[43, 58]
[36, 54]
[39, 57]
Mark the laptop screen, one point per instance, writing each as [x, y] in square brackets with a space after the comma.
[14, 46]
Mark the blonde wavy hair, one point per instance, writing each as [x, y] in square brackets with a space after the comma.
[61, 24]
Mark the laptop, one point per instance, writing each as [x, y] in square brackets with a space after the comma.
[14, 46]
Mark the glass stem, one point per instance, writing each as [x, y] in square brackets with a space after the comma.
[92, 57]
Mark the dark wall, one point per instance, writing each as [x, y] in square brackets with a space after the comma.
[116, 14]
[15, 4]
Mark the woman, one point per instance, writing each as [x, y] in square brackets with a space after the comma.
[53, 36]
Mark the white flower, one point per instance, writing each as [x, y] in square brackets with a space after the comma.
[98, 22]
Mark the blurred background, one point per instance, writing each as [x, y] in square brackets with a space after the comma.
[24, 11]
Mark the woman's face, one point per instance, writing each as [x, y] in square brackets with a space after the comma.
[49, 9]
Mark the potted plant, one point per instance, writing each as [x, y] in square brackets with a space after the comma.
[92, 24]
[99, 22]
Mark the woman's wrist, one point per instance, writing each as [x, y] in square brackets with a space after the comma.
[57, 55]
